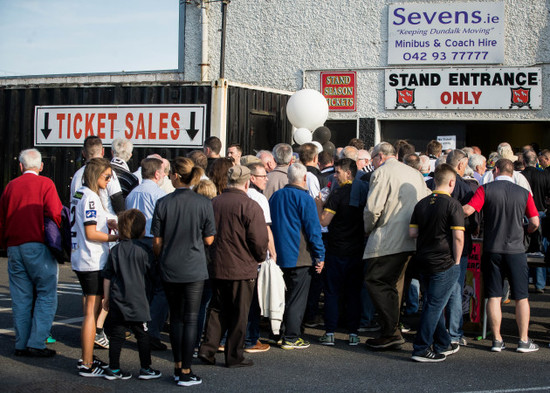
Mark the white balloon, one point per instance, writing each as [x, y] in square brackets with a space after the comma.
[319, 146]
[307, 108]
[302, 135]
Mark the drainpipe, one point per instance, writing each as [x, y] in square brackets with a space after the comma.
[204, 50]
[181, 37]
[224, 23]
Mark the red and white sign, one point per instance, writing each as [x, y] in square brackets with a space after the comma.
[340, 90]
[143, 125]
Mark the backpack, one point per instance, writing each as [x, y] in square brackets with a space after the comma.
[57, 239]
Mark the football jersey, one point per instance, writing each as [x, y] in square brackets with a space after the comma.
[86, 209]
[113, 187]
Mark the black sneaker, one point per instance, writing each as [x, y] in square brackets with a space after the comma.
[91, 372]
[429, 357]
[97, 362]
[177, 374]
[157, 345]
[453, 348]
[111, 375]
[314, 322]
[149, 373]
[40, 353]
[189, 379]
[385, 342]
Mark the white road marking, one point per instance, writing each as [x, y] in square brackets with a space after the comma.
[70, 293]
[63, 322]
[534, 389]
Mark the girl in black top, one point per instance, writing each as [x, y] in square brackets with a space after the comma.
[183, 223]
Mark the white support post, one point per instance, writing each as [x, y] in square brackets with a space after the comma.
[218, 112]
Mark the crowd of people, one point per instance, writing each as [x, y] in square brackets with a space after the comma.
[213, 244]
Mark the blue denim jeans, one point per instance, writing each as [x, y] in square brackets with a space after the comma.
[31, 267]
[159, 311]
[454, 307]
[413, 297]
[253, 325]
[539, 273]
[367, 308]
[439, 287]
[539, 277]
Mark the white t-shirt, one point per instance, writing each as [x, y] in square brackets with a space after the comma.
[86, 209]
[262, 201]
[113, 187]
[313, 185]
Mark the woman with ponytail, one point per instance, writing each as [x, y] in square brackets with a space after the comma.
[183, 223]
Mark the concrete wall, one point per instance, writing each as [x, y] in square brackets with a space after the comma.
[284, 44]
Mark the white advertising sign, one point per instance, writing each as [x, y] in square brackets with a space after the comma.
[447, 142]
[143, 125]
[446, 33]
[464, 88]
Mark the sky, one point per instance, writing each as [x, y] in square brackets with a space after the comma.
[42, 37]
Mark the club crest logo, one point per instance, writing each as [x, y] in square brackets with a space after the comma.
[404, 98]
[520, 97]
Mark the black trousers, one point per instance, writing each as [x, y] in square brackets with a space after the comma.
[297, 281]
[228, 310]
[385, 277]
[184, 300]
[115, 328]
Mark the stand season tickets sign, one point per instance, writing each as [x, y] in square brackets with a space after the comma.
[144, 125]
[464, 88]
[339, 90]
[446, 33]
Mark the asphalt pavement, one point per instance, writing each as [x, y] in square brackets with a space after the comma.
[317, 369]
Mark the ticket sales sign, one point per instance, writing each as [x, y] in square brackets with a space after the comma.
[339, 88]
[446, 33]
[143, 125]
[464, 88]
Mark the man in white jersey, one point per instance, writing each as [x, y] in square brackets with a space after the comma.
[111, 198]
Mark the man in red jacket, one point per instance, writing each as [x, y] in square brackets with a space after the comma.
[25, 203]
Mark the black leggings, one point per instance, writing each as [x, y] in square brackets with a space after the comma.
[115, 327]
[184, 300]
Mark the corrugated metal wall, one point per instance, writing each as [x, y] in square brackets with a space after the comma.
[244, 106]
[17, 123]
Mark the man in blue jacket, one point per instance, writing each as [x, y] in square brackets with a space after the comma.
[300, 251]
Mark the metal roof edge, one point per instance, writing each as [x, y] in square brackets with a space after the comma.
[99, 79]
[266, 89]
